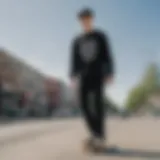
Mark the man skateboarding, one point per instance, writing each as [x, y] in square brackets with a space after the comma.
[92, 64]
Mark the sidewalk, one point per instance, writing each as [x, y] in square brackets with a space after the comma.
[135, 139]
[25, 129]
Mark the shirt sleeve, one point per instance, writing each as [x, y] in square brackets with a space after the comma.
[108, 65]
[74, 62]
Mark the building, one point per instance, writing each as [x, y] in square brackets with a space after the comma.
[17, 75]
[9, 75]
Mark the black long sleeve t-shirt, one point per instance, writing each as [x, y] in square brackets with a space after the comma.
[91, 56]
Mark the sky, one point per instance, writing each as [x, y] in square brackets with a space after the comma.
[41, 31]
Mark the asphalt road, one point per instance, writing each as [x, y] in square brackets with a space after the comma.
[135, 138]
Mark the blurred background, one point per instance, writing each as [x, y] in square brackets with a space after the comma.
[35, 39]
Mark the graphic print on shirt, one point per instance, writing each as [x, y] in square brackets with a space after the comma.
[88, 50]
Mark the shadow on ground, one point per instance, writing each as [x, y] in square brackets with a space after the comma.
[121, 152]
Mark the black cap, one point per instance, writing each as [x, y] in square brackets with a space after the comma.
[86, 12]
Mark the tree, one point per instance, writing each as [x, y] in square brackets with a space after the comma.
[150, 80]
[136, 98]
[149, 84]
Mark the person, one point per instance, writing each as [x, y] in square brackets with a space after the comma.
[52, 91]
[52, 103]
[1, 96]
[92, 66]
[22, 100]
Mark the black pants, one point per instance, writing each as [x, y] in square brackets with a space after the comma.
[94, 120]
